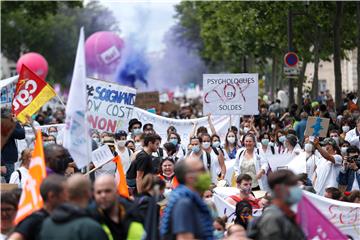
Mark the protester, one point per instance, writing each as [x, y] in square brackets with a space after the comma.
[349, 176]
[175, 139]
[216, 166]
[186, 201]
[243, 213]
[70, 220]
[244, 183]
[134, 127]
[353, 136]
[53, 191]
[123, 151]
[328, 169]
[21, 174]
[249, 162]
[57, 159]
[142, 164]
[231, 147]
[278, 221]
[115, 214]
[332, 193]
[236, 232]
[9, 205]
[167, 173]
[301, 126]
[170, 150]
[9, 152]
[220, 227]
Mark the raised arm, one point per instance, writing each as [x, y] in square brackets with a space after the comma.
[212, 128]
[323, 152]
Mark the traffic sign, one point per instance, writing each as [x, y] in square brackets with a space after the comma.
[289, 71]
[291, 59]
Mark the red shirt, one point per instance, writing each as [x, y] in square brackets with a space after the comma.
[253, 202]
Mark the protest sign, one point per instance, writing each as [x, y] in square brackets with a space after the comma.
[183, 126]
[110, 105]
[279, 161]
[7, 87]
[101, 155]
[298, 163]
[344, 215]
[235, 94]
[147, 100]
[317, 126]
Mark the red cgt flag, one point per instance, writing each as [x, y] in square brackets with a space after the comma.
[30, 95]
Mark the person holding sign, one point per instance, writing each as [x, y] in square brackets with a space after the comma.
[329, 167]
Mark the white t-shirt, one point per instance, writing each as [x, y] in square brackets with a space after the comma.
[15, 177]
[355, 185]
[125, 158]
[334, 172]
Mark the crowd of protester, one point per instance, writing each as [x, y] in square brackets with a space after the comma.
[171, 185]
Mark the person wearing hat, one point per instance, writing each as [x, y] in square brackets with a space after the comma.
[124, 152]
[329, 166]
[110, 167]
[134, 127]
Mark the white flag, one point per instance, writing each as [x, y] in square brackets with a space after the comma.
[76, 134]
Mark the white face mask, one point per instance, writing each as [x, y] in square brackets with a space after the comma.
[308, 147]
[336, 140]
[138, 146]
[273, 126]
[206, 145]
[231, 139]
[246, 130]
[345, 129]
[121, 143]
[344, 150]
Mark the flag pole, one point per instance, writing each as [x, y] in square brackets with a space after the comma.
[62, 103]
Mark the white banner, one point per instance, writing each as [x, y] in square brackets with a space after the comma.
[184, 126]
[110, 105]
[344, 215]
[226, 94]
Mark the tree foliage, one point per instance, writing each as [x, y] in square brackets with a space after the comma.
[53, 32]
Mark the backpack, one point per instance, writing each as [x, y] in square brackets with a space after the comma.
[18, 171]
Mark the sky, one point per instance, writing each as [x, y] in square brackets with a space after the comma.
[149, 18]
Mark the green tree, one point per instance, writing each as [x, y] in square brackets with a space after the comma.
[54, 35]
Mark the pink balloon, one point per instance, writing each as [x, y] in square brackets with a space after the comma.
[35, 62]
[103, 52]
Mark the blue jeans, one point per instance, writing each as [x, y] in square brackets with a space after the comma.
[10, 167]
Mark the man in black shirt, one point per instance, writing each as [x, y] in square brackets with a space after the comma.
[142, 164]
[53, 191]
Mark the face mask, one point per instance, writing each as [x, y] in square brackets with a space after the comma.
[121, 143]
[216, 144]
[308, 147]
[282, 139]
[345, 129]
[206, 145]
[218, 234]
[231, 140]
[202, 182]
[174, 141]
[246, 190]
[295, 195]
[246, 129]
[336, 140]
[265, 142]
[53, 134]
[195, 148]
[50, 142]
[271, 144]
[138, 146]
[344, 150]
[136, 131]
[273, 126]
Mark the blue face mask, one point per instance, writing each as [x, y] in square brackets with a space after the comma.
[174, 141]
[282, 139]
[216, 144]
[218, 234]
[195, 148]
[295, 195]
[265, 142]
[136, 131]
